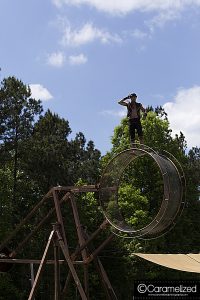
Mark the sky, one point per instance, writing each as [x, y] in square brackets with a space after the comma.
[81, 56]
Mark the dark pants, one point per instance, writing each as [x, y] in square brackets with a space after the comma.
[135, 125]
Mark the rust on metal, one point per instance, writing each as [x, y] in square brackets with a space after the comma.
[174, 187]
[85, 253]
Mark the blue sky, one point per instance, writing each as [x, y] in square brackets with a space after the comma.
[81, 56]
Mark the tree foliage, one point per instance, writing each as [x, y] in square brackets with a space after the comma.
[37, 153]
[17, 113]
[142, 183]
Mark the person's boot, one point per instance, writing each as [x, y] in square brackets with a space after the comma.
[141, 139]
[132, 143]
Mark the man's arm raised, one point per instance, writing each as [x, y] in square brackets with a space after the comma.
[122, 101]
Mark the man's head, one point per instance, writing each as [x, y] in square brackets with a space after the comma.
[133, 97]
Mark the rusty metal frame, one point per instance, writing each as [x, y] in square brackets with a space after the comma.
[58, 240]
[173, 193]
[109, 184]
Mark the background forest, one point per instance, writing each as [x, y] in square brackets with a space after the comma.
[37, 153]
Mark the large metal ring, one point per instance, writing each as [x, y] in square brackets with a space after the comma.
[171, 206]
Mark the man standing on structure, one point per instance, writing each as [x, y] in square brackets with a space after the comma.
[133, 113]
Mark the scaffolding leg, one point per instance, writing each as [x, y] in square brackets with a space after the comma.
[56, 271]
[41, 267]
[71, 266]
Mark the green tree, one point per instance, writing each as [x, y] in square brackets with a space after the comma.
[8, 290]
[86, 160]
[46, 161]
[5, 203]
[142, 177]
[17, 113]
[54, 160]
[35, 157]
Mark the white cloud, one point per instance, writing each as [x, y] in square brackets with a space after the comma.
[119, 7]
[77, 59]
[87, 34]
[113, 113]
[56, 59]
[40, 92]
[57, 3]
[162, 18]
[184, 114]
[163, 11]
[139, 34]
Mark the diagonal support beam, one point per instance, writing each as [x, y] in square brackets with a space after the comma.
[41, 267]
[71, 266]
